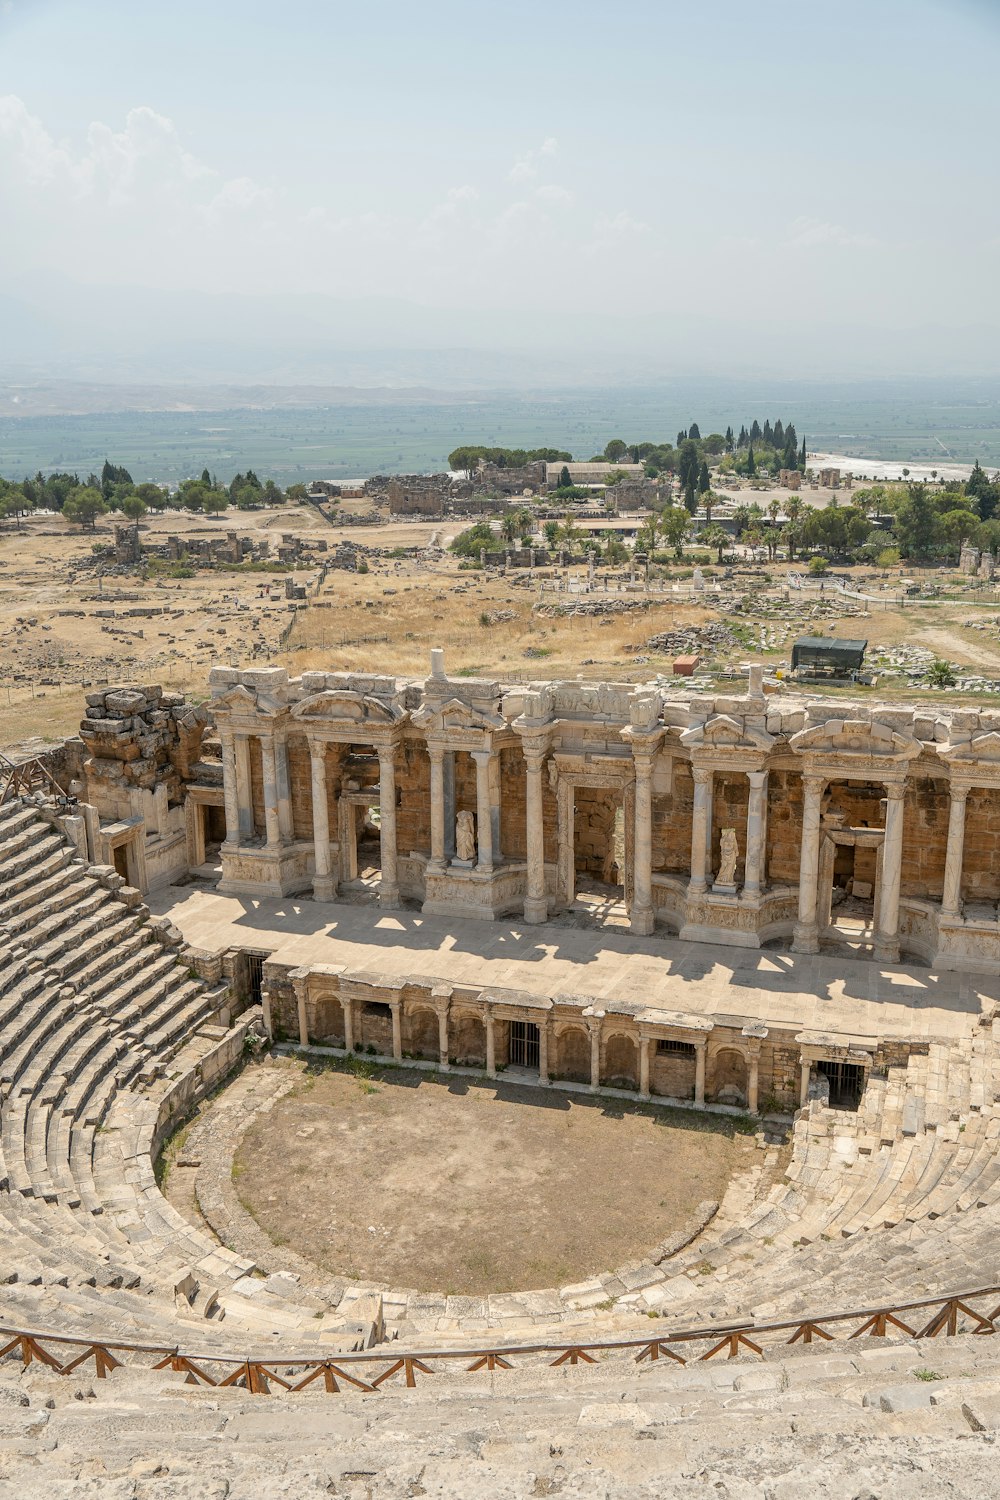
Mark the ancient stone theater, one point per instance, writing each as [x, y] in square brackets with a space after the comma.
[768, 909]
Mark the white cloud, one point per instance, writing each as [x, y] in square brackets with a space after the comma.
[807, 234]
[550, 192]
[525, 168]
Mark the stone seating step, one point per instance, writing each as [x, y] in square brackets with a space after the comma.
[27, 1031]
[113, 961]
[85, 939]
[44, 919]
[47, 888]
[138, 987]
[20, 870]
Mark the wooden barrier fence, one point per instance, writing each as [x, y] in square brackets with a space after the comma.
[374, 1369]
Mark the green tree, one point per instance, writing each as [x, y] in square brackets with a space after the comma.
[112, 475]
[675, 523]
[152, 496]
[273, 494]
[704, 479]
[565, 478]
[551, 530]
[715, 536]
[751, 461]
[688, 468]
[615, 450]
[729, 440]
[133, 506]
[941, 674]
[214, 502]
[83, 506]
[693, 433]
[917, 526]
[296, 492]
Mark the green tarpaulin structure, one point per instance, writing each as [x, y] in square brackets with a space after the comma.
[823, 653]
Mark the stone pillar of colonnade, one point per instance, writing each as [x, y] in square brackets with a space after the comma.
[595, 1054]
[536, 907]
[642, 917]
[348, 1009]
[753, 1078]
[805, 1073]
[442, 1015]
[951, 896]
[269, 774]
[244, 790]
[646, 1044]
[484, 812]
[283, 786]
[230, 788]
[753, 869]
[543, 1050]
[388, 893]
[700, 1052]
[701, 830]
[397, 1030]
[491, 1044]
[806, 935]
[324, 886]
[299, 985]
[436, 864]
[887, 932]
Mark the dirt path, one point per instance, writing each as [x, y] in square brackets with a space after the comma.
[460, 1187]
[956, 648]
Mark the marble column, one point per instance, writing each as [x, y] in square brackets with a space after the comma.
[887, 934]
[753, 1081]
[641, 919]
[806, 935]
[323, 885]
[484, 813]
[701, 830]
[436, 864]
[536, 908]
[284, 789]
[271, 825]
[700, 1051]
[491, 1045]
[543, 1051]
[645, 1044]
[595, 1055]
[397, 1030]
[805, 1073]
[244, 786]
[388, 893]
[753, 870]
[230, 790]
[348, 1008]
[951, 897]
[300, 999]
[443, 1038]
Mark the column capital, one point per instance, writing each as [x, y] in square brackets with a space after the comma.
[702, 775]
[757, 778]
[484, 755]
[435, 751]
[317, 744]
[895, 791]
[959, 793]
[813, 784]
[534, 756]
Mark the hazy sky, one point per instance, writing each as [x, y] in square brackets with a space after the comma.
[742, 162]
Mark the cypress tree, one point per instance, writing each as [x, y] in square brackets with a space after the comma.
[729, 440]
[779, 434]
[751, 462]
[743, 438]
[693, 433]
[755, 431]
[681, 438]
[768, 435]
[802, 457]
[704, 481]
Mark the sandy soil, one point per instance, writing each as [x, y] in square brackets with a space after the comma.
[463, 1187]
[953, 647]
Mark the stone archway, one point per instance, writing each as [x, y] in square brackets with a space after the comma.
[730, 1077]
[572, 1059]
[621, 1062]
[467, 1033]
[327, 1021]
[421, 1035]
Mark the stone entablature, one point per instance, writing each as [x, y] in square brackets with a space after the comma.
[727, 819]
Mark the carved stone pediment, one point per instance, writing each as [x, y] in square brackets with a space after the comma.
[726, 733]
[237, 699]
[343, 707]
[856, 740]
[456, 715]
[982, 750]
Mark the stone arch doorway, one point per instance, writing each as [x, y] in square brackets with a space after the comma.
[573, 1054]
[730, 1077]
[596, 817]
[621, 1062]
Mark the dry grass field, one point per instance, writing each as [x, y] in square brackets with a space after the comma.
[461, 1186]
[61, 627]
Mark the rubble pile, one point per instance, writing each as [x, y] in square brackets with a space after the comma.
[142, 736]
[695, 640]
[594, 607]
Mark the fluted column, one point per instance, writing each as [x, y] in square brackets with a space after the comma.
[701, 830]
[887, 936]
[388, 893]
[323, 885]
[753, 869]
[951, 897]
[536, 908]
[436, 864]
[230, 789]
[244, 786]
[484, 815]
[806, 935]
[642, 917]
[269, 774]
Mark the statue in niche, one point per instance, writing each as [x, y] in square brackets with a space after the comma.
[465, 837]
[729, 853]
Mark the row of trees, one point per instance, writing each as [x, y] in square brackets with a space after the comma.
[468, 457]
[83, 501]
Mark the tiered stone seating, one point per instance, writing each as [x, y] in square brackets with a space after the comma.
[94, 1013]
